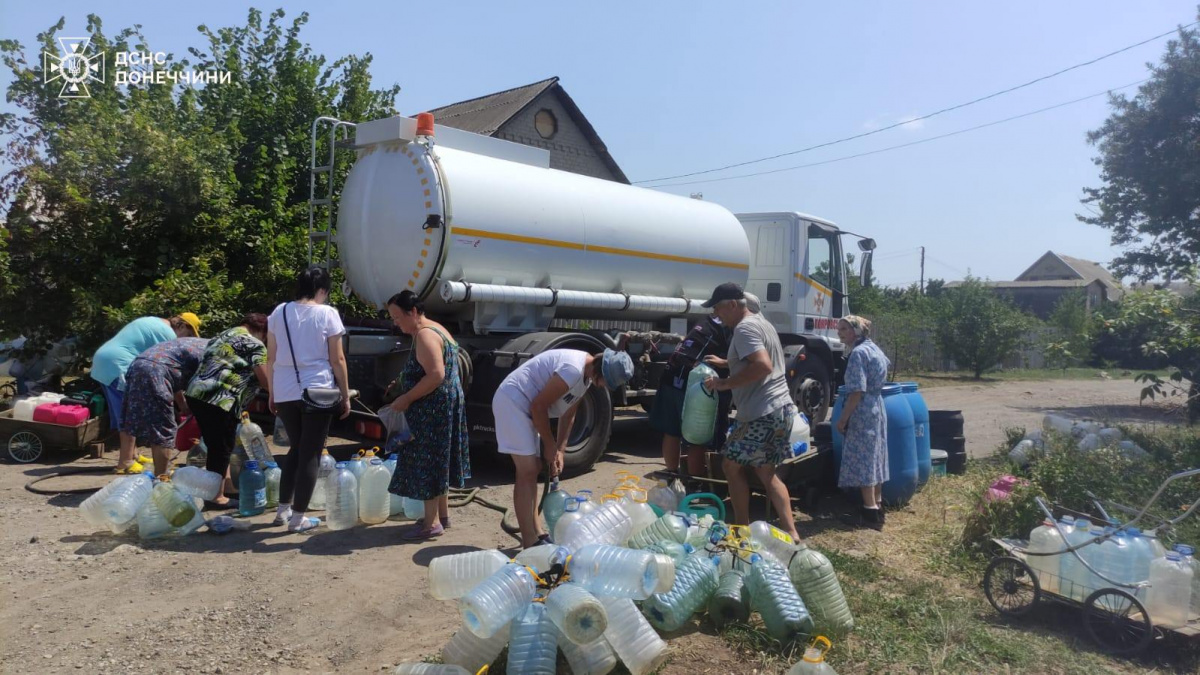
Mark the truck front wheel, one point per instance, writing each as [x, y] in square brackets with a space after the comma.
[811, 388]
[590, 433]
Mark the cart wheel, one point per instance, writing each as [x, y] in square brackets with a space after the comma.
[1117, 622]
[24, 447]
[1011, 586]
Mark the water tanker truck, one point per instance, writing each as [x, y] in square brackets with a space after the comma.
[517, 258]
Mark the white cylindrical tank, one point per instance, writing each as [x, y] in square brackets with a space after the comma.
[508, 223]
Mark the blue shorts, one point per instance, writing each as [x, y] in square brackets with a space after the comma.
[115, 399]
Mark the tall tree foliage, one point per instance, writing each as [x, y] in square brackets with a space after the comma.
[160, 198]
[978, 329]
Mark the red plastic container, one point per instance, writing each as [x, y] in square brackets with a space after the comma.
[46, 412]
[71, 415]
[188, 435]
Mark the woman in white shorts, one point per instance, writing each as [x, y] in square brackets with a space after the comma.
[550, 385]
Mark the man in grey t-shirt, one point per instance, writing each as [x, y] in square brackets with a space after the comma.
[764, 405]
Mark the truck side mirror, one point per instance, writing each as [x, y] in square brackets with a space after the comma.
[864, 269]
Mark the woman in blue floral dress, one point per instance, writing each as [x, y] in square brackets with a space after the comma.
[863, 419]
[431, 397]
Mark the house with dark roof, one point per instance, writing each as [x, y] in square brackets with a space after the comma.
[541, 115]
[1038, 289]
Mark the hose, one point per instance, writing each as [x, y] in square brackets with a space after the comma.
[68, 472]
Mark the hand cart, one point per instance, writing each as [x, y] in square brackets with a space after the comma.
[1113, 613]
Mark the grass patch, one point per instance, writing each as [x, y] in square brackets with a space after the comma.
[1018, 374]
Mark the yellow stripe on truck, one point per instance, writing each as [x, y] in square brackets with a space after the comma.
[815, 284]
[574, 246]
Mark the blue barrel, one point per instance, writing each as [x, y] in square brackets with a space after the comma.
[838, 437]
[920, 428]
[902, 447]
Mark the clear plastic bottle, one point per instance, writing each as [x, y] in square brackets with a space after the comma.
[413, 508]
[252, 490]
[570, 515]
[197, 520]
[699, 417]
[472, 652]
[663, 497]
[356, 465]
[675, 551]
[816, 581]
[586, 503]
[150, 522]
[813, 661]
[92, 508]
[555, 505]
[1074, 577]
[430, 669]
[639, 509]
[1113, 559]
[1170, 596]
[633, 638]
[1142, 552]
[614, 571]
[373, 497]
[773, 596]
[497, 600]
[533, 642]
[251, 436]
[1189, 558]
[198, 482]
[122, 504]
[395, 502]
[542, 558]
[695, 581]
[594, 658]
[281, 437]
[666, 572]
[452, 576]
[772, 542]
[577, 614]
[273, 476]
[671, 527]
[175, 506]
[609, 524]
[1044, 539]
[341, 491]
[730, 603]
[319, 499]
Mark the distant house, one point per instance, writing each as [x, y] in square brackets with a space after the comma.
[1053, 276]
[541, 115]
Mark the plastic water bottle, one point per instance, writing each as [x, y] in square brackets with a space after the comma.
[595, 658]
[468, 650]
[772, 542]
[555, 505]
[252, 490]
[251, 436]
[570, 515]
[1189, 558]
[666, 572]
[122, 504]
[413, 508]
[577, 614]
[675, 551]
[816, 581]
[635, 642]
[532, 642]
[281, 437]
[1043, 539]
[319, 498]
[699, 407]
[452, 576]
[374, 501]
[341, 492]
[1057, 424]
[639, 510]
[800, 439]
[150, 522]
[497, 600]
[1170, 596]
[544, 557]
[774, 596]
[1022, 453]
[671, 527]
[395, 502]
[1074, 577]
[609, 524]
[813, 661]
[663, 497]
[1090, 442]
[198, 482]
[92, 508]
[1142, 552]
[731, 601]
[177, 508]
[695, 582]
[430, 669]
[273, 476]
[356, 465]
[614, 571]
[1113, 557]
[197, 520]
[586, 503]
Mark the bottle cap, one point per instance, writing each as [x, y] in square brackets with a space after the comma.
[1184, 549]
[393, 456]
[324, 451]
[252, 465]
[689, 549]
[272, 465]
[376, 461]
[1174, 556]
[755, 558]
[572, 504]
[1133, 532]
[340, 465]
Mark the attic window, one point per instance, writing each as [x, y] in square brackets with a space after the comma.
[545, 123]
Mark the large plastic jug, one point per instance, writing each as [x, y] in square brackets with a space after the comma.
[251, 436]
[24, 407]
[695, 582]
[1044, 539]
[609, 524]
[374, 501]
[641, 512]
[663, 497]
[150, 522]
[1189, 557]
[570, 515]
[543, 557]
[122, 504]
[773, 596]
[816, 581]
[198, 482]
[577, 614]
[1170, 597]
[615, 571]
[920, 413]
[319, 499]
[730, 603]
[452, 576]
[356, 465]
[497, 600]
[177, 508]
[632, 637]
[395, 502]
[341, 494]
[471, 652]
[772, 542]
[902, 447]
[532, 642]
[71, 415]
[555, 505]
[273, 476]
[595, 658]
[800, 439]
[675, 551]
[699, 407]
[92, 508]
[813, 661]
[1075, 579]
[252, 490]
[671, 527]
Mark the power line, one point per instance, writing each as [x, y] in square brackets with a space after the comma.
[903, 145]
[959, 106]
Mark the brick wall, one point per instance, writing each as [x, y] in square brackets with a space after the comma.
[569, 148]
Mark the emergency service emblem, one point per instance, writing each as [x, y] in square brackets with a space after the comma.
[76, 67]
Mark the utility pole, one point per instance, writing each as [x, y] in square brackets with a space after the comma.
[922, 270]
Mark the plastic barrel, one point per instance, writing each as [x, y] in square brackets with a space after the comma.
[902, 447]
[838, 437]
[956, 450]
[920, 428]
[944, 424]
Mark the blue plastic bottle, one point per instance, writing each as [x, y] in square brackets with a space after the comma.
[920, 413]
[902, 447]
[252, 490]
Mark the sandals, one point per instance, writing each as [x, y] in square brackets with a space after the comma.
[305, 525]
[132, 468]
[419, 533]
[420, 522]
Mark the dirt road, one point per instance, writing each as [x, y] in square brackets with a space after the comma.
[72, 600]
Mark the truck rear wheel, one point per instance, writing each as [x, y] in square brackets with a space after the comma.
[590, 433]
[811, 388]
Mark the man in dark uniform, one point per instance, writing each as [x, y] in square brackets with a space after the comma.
[708, 338]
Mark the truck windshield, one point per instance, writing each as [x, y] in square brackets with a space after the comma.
[821, 264]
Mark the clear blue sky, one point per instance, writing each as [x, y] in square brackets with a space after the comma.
[674, 87]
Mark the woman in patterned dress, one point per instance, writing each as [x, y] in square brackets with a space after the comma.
[864, 419]
[432, 399]
[154, 386]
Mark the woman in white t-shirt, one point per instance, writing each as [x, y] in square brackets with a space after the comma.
[304, 350]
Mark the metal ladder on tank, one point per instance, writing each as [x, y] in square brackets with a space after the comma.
[320, 230]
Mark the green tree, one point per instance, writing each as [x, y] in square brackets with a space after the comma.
[160, 198]
[978, 329]
[865, 300]
[1150, 163]
[1172, 327]
[1074, 326]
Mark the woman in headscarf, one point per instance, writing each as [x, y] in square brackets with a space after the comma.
[863, 420]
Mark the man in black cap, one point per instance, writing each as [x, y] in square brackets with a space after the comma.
[764, 405]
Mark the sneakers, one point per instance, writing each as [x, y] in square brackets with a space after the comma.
[282, 517]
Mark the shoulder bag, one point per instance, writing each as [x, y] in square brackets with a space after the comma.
[326, 400]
